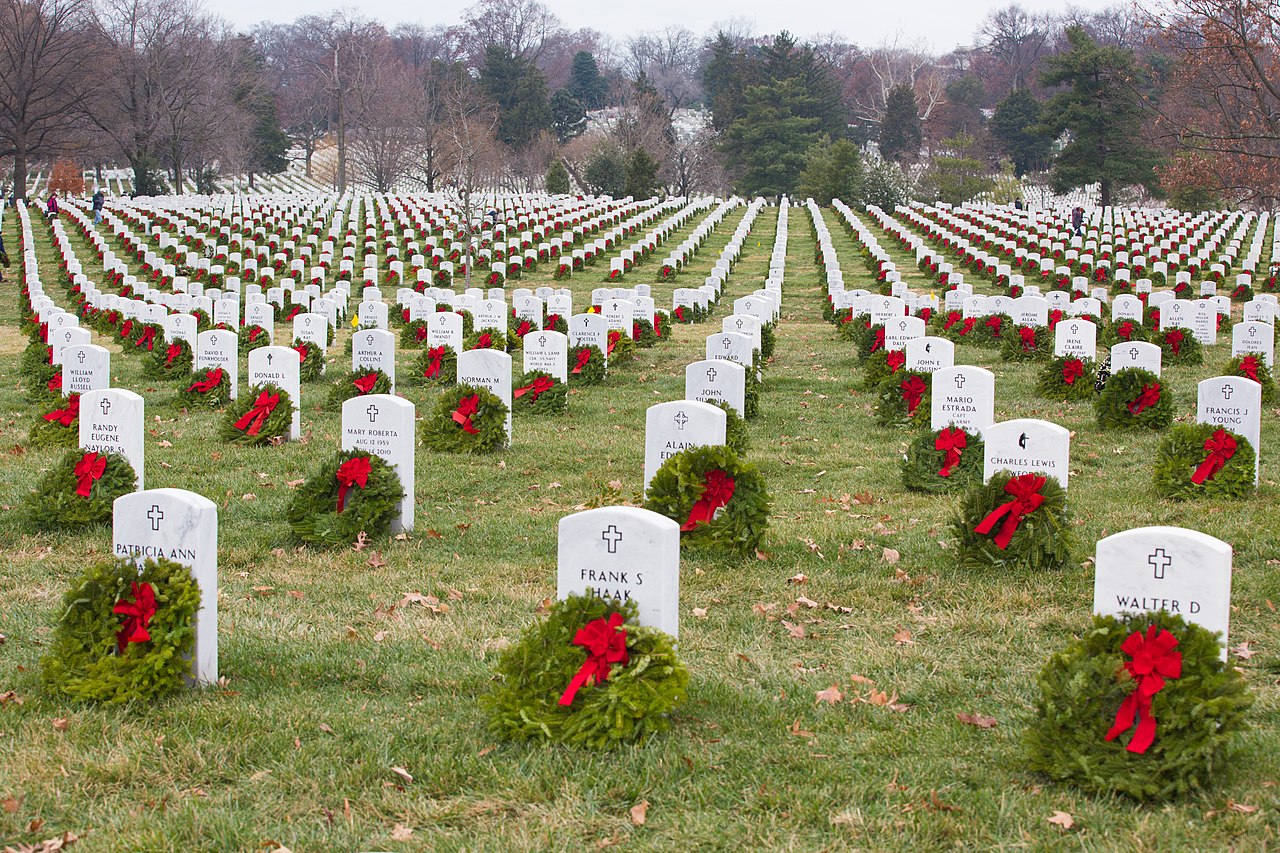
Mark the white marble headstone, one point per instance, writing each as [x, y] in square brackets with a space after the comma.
[963, 396]
[672, 427]
[279, 366]
[1235, 403]
[548, 352]
[220, 348]
[86, 367]
[112, 420]
[383, 425]
[491, 369]
[1140, 354]
[717, 382]
[1027, 445]
[929, 354]
[374, 348]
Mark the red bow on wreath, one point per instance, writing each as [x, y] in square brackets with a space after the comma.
[148, 337]
[539, 385]
[1149, 397]
[524, 328]
[994, 324]
[67, 416]
[896, 359]
[137, 615]
[950, 441]
[301, 350]
[126, 329]
[1174, 339]
[420, 334]
[912, 389]
[679, 312]
[1125, 330]
[171, 353]
[484, 341]
[353, 472]
[878, 342]
[364, 384]
[251, 422]
[1153, 660]
[1249, 367]
[467, 407]
[436, 354]
[213, 380]
[614, 337]
[1027, 334]
[1221, 448]
[90, 468]
[584, 356]
[55, 384]
[1072, 369]
[1025, 489]
[717, 490]
[606, 644]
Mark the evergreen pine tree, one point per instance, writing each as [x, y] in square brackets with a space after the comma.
[900, 135]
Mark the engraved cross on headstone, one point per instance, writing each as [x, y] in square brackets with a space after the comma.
[155, 515]
[1159, 561]
[612, 536]
[80, 356]
[106, 406]
[711, 374]
[681, 419]
[959, 380]
[1226, 392]
[372, 412]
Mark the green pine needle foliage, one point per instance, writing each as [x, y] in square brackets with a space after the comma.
[310, 368]
[1190, 351]
[215, 398]
[1051, 385]
[313, 513]
[1125, 386]
[1042, 541]
[1265, 377]
[54, 504]
[277, 424]
[736, 437]
[156, 363]
[892, 408]
[1012, 347]
[1182, 450]
[678, 485]
[923, 461]
[448, 373]
[344, 389]
[554, 401]
[441, 432]
[593, 372]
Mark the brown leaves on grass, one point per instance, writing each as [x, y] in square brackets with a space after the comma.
[798, 579]
[362, 541]
[639, 812]
[10, 696]
[402, 833]
[1243, 651]
[795, 730]
[832, 696]
[980, 720]
[427, 602]
[403, 774]
[1062, 819]
[902, 637]
[376, 561]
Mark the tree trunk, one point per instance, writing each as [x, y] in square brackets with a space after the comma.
[20, 173]
[309, 149]
[1106, 193]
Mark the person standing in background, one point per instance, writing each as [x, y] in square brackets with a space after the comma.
[99, 199]
[52, 207]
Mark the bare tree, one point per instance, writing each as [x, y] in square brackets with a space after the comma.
[523, 27]
[471, 126]
[386, 144]
[670, 59]
[892, 64]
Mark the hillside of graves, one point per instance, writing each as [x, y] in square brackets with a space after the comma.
[860, 674]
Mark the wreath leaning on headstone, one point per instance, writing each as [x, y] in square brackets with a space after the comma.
[1014, 521]
[1203, 461]
[59, 426]
[587, 676]
[1134, 398]
[208, 386]
[437, 366]
[310, 360]
[1151, 668]
[1180, 346]
[586, 365]
[539, 393]
[621, 348]
[260, 414]
[354, 492]
[718, 499]
[1026, 343]
[1253, 365]
[79, 490]
[1067, 378]
[945, 460]
[736, 437]
[252, 337]
[905, 398]
[880, 365]
[466, 419]
[126, 633]
[362, 382]
[169, 360]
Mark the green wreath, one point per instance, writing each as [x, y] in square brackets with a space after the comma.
[313, 514]
[621, 348]
[751, 396]
[923, 462]
[896, 394]
[60, 426]
[678, 486]
[556, 323]
[257, 429]
[311, 364]
[1253, 365]
[736, 437]
[588, 369]
[1179, 346]
[346, 388]
[414, 335]
[1052, 381]
[879, 366]
[1126, 401]
[35, 362]
[1082, 688]
[1026, 343]
[252, 337]
[468, 322]
[490, 339]
[540, 399]
[57, 503]
[867, 339]
[994, 329]
[169, 360]
[1182, 452]
[768, 340]
[84, 662]
[1043, 540]
[437, 366]
[632, 705]
[139, 332]
[645, 336]
[442, 432]
[204, 388]
[1123, 331]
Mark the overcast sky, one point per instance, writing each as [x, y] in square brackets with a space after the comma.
[941, 24]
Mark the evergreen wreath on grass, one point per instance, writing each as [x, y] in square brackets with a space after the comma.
[1014, 521]
[414, 335]
[556, 323]
[642, 331]
[261, 413]
[1067, 378]
[539, 393]
[621, 348]
[488, 339]
[79, 490]
[36, 362]
[311, 360]
[354, 492]
[145, 338]
[1134, 398]
[1253, 365]
[468, 322]
[1203, 461]
[466, 419]
[736, 437]
[719, 500]
[1026, 343]
[1090, 690]
[994, 329]
[126, 633]
[868, 338]
[945, 460]
[905, 398]
[751, 396]
[58, 427]
[636, 678]
[1123, 331]
[768, 341]
[359, 383]
[166, 361]
[880, 365]
[209, 387]
[252, 337]
[437, 366]
[1179, 346]
[586, 365]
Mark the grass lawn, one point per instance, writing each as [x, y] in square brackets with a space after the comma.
[330, 682]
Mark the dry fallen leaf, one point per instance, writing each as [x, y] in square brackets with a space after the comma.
[980, 720]
[798, 579]
[903, 637]
[362, 541]
[402, 773]
[1242, 808]
[166, 444]
[60, 724]
[1062, 819]
[376, 561]
[640, 812]
[401, 833]
[796, 631]
[797, 731]
[700, 612]
[11, 805]
[890, 556]
[1243, 651]
[380, 636]
[831, 695]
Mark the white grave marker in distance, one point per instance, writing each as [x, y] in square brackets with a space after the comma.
[627, 553]
[1254, 337]
[897, 332]
[375, 348]
[1078, 338]
[382, 425]
[548, 352]
[112, 420]
[220, 348]
[1027, 445]
[929, 354]
[679, 425]
[491, 369]
[279, 366]
[1234, 403]
[963, 396]
[717, 382]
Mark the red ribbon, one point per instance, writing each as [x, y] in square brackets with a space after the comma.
[148, 337]
[950, 441]
[606, 644]
[1174, 339]
[1153, 660]
[1028, 336]
[913, 389]
[1249, 367]
[90, 468]
[1025, 489]
[1149, 397]
[436, 355]
[126, 329]
[584, 355]
[1221, 448]
[968, 325]
[466, 408]
[211, 381]
[1125, 330]
[1072, 369]
[170, 354]
[364, 384]
[353, 472]
[55, 384]
[679, 312]
[67, 416]
[254, 331]
[524, 328]
[717, 490]
[994, 324]
[301, 350]
[484, 341]
[878, 341]
[539, 385]
[420, 334]
[251, 421]
[657, 328]
[137, 615]
[552, 319]
[952, 318]
[896, 359]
